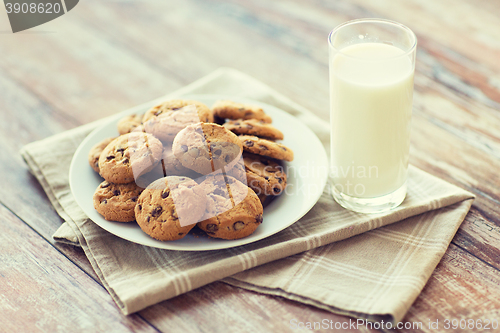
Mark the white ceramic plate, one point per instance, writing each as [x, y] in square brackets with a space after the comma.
[307, 176]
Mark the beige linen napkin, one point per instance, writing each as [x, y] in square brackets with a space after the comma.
[376, 275]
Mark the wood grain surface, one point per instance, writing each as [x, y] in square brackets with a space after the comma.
[107, 56]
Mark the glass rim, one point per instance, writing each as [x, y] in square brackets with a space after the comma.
[374, 20]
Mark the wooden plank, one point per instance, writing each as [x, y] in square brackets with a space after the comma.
[42, 291]
[463, 288]
[50, 83]
[481, 237]
[27, 118]
[236, 310]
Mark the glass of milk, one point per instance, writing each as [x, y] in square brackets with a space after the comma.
[372, 62]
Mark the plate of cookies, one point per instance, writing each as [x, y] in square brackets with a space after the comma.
[198, 173]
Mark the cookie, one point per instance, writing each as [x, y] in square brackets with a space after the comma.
[235, 209]
[254, 127]
[129, 123]
[264, 175]
[170, 207]
[116, 202]
[266, 199]
[129, 156]
[165, 120]
[173, 167]
[207, 147]
[96, 151]
[255, 145]
[232, 110]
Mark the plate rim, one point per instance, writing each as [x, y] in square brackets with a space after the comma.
[226, 244]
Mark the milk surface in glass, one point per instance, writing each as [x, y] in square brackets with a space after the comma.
[372, 91]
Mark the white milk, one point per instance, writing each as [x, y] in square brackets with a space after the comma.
[371, 103]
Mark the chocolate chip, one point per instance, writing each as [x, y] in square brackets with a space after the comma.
[104, 185]
[165, 194]
[175, 109]
[212, 227]
[134, 199]
[227, 159]
[140, 207]
[184, 148]
[157, 211]
[280, 180]
[217, 152]
[104, 201]
[249, 143]
[157, 113]
[110, 157]
[248, 113]
[126, 161]
[181, 233]
[259, 218]
[284, 148]
[238, 225]
[277, 190]
[148, 219]
[182, 178]
[116, 192]
[218, 191]
[263, 147]
[120, 150]
[266, 178]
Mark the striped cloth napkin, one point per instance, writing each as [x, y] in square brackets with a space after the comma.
[365, 266]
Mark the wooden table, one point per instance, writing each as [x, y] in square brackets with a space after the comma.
[104, 57]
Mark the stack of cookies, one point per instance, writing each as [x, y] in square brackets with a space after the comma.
[174, 168]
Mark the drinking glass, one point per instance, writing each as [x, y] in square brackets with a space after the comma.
[372, 62]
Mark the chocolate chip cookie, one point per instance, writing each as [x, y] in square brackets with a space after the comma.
[170, 207]
[129, 123]
[235, 210]
[207, 147]
[256, 145]
[96, 151]
[264, 175]
[165, 120]
[129, 156]
[232, 110]
[116, 202]
[173, 167]
[254, 127]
